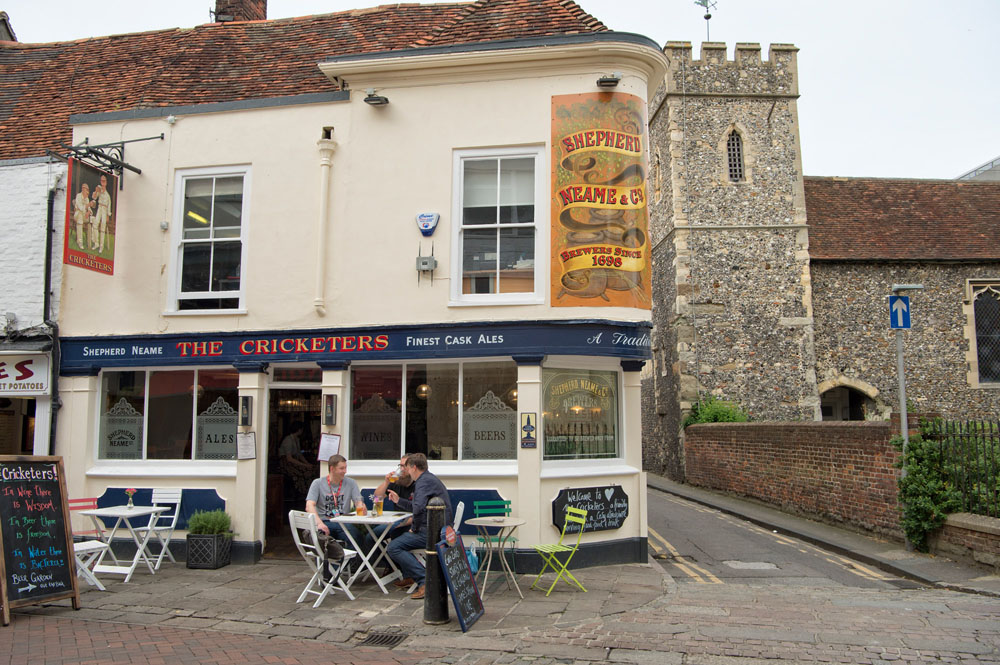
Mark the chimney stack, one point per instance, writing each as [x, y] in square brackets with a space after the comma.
[227, 11]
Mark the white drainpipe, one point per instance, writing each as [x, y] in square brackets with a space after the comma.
[326, 147]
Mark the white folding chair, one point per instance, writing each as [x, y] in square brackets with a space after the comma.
[306, 538]
[163, 525]
[88, 554]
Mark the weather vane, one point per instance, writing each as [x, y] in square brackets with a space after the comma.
[709, 5]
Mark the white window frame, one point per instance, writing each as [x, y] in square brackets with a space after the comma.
[177, 238]
[542, 206]
[144, 467]
[462, 363]
[557, 467]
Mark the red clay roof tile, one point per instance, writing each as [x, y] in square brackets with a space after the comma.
[41, 85]
[902, 220]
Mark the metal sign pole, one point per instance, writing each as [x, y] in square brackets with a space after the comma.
[904, 422]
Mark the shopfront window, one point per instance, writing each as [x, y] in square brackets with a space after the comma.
[414, 408]
[169, 415]
[580, 414]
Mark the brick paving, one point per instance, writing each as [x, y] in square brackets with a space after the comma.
[48, 640]
[631, 614]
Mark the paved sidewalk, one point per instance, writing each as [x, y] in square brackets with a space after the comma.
[631, 614]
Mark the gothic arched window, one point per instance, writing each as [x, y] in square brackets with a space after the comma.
[734, 154]
[986, 309]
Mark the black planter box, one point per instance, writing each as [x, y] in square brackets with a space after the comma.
[209, 550]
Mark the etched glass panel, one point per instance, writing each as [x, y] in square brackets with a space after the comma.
[580, 414]
[376, 412]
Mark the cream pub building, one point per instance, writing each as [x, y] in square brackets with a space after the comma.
[420, 228]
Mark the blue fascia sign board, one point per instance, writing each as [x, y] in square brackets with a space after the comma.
[625, 340]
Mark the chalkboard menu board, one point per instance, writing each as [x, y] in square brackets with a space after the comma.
[36, 543]
[607, 507]
[461, 583]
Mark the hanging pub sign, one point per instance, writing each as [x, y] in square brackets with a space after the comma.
[91, 219]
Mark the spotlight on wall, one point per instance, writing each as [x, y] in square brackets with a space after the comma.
[609, 80]
[423, 391]
[373, 99]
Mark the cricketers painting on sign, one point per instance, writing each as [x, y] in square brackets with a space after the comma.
[90, 218]
[600, 219]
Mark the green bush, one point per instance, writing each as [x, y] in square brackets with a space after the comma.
[712, 410]
[926, 494]
[210, 522]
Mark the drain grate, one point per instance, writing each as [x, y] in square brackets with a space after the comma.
[382, 640]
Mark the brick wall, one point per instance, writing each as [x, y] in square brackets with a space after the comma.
[838, 472]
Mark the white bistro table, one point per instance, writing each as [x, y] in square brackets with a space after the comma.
[495, 544]
[371, 558]
[125, 515]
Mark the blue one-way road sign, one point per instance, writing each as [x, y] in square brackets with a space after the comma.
[899, 312]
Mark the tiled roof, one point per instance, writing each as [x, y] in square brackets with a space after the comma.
[900, 220]
[506, 19]
[41, 85]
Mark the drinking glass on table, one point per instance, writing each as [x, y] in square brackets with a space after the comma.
[377, 504]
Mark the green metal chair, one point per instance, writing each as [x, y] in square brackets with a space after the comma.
[493, 508]
[549, 553]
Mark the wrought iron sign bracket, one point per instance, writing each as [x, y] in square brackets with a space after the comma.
[108, 156]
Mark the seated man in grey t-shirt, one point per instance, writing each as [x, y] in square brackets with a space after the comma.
[333, 495]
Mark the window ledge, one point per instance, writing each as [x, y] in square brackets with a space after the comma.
[441, 468]
[496, 303]
[157, 469]
[204, 312]
[587, 468]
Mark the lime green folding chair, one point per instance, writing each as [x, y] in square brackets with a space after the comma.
[549, 553]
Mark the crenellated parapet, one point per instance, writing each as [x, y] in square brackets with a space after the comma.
[746, 74]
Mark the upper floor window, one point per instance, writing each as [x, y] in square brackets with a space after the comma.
[210, 233]
[497, 245]
[734, 156]
[986, 311]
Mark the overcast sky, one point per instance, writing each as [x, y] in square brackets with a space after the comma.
[889, 88]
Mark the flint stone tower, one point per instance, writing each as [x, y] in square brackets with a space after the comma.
[732, 308]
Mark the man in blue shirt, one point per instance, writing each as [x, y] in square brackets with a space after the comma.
[425, 486]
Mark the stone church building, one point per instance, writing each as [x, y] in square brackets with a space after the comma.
[771, 288]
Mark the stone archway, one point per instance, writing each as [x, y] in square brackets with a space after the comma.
[844, 398]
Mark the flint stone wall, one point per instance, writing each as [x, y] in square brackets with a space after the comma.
[855, 346]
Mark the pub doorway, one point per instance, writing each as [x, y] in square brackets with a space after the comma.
[293, 442]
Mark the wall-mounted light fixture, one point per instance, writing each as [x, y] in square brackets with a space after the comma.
[329, 409]
[373, 99]
[246, 410]
[609, 80]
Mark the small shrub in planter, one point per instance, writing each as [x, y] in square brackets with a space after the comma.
[209, 539]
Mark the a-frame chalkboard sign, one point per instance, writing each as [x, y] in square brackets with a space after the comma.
[461, 582]
[36, 538]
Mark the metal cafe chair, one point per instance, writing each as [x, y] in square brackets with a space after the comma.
[307, 542]
[164, 524]
[549, 553]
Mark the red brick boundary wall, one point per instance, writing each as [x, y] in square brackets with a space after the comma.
[836, 472]
[841, 473]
